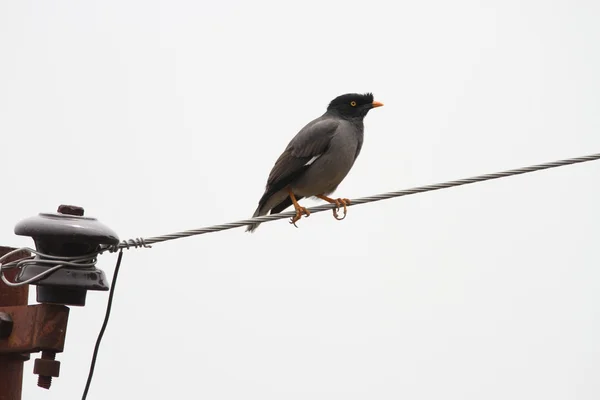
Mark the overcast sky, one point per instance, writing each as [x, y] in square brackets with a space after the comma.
[163, 116]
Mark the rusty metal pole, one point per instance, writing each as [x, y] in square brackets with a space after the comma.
[11, 365]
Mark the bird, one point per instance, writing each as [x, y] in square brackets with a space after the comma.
[317, 159]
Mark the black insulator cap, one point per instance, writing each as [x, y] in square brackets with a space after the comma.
[67, 234]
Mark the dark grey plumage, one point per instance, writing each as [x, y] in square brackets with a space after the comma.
[320, 156]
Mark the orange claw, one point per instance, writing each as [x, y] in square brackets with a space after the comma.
[299, 209]
[338, 202]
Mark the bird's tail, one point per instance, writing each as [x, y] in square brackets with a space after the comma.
[263, 209]
[260, 211]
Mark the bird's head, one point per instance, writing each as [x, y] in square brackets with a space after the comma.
[353, 105]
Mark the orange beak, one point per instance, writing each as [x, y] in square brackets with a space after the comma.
[377, 104]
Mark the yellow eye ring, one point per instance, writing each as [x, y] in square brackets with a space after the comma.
[353, 103]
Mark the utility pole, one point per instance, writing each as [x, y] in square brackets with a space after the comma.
[25, 329]
[11, 365]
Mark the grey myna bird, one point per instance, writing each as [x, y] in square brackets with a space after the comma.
[318, 158]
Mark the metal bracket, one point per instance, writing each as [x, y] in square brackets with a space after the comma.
[36, 328]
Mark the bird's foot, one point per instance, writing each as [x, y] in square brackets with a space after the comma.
[299, 211]
[338, 203]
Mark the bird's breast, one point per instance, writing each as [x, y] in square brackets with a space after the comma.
[330, 169]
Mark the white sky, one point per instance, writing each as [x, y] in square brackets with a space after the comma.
[164, 116]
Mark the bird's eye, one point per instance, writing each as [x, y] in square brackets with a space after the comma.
[353, 103]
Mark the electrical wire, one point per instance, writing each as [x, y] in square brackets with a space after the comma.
[146, 242]
[57, 262]
[104, 324]
[90, 260]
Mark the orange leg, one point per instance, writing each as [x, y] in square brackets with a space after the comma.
[299, 209]
[338, 202]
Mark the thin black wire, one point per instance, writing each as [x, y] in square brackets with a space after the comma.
[104, 324]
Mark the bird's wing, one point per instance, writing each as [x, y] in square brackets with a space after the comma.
[308, 145]
[314, 138]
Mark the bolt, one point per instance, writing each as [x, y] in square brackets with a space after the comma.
[6, 325]
[44, 381]
[70, 210]
[46, 368]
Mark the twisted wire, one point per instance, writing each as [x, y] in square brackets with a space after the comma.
[56, 263]
[141, 242]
